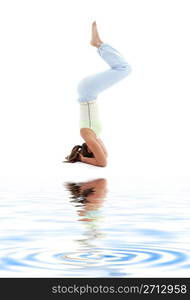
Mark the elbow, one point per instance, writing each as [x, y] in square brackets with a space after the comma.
[103, 164]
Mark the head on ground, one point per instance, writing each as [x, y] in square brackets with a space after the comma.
[74, 155]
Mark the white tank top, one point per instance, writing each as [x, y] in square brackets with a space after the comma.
[89, 116]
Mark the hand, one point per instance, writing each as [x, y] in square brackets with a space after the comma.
[81, 157]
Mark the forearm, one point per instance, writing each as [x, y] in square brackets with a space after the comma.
[91, 161]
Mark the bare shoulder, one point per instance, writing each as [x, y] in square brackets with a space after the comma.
[87, 133]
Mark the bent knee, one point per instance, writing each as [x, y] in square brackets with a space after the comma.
[129, 69]
[126, 69]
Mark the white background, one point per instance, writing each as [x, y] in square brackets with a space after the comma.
[45, 51]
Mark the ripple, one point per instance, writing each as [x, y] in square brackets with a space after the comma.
[150, 257]
[126, 233]
[94, 258]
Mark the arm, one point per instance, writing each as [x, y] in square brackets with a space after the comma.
[98, 151]
[99, 158]
[95, 146]
[90, 160]
[103, 147]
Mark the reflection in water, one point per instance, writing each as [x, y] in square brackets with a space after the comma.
[120, 233]
[88, 197]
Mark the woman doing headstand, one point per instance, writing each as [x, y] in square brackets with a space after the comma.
[93, 150]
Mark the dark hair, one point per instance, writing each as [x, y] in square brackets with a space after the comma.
[74, 155]
[76, 194]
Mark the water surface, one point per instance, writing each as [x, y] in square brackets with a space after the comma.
[100, 227]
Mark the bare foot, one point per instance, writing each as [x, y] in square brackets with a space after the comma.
[95, 41]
